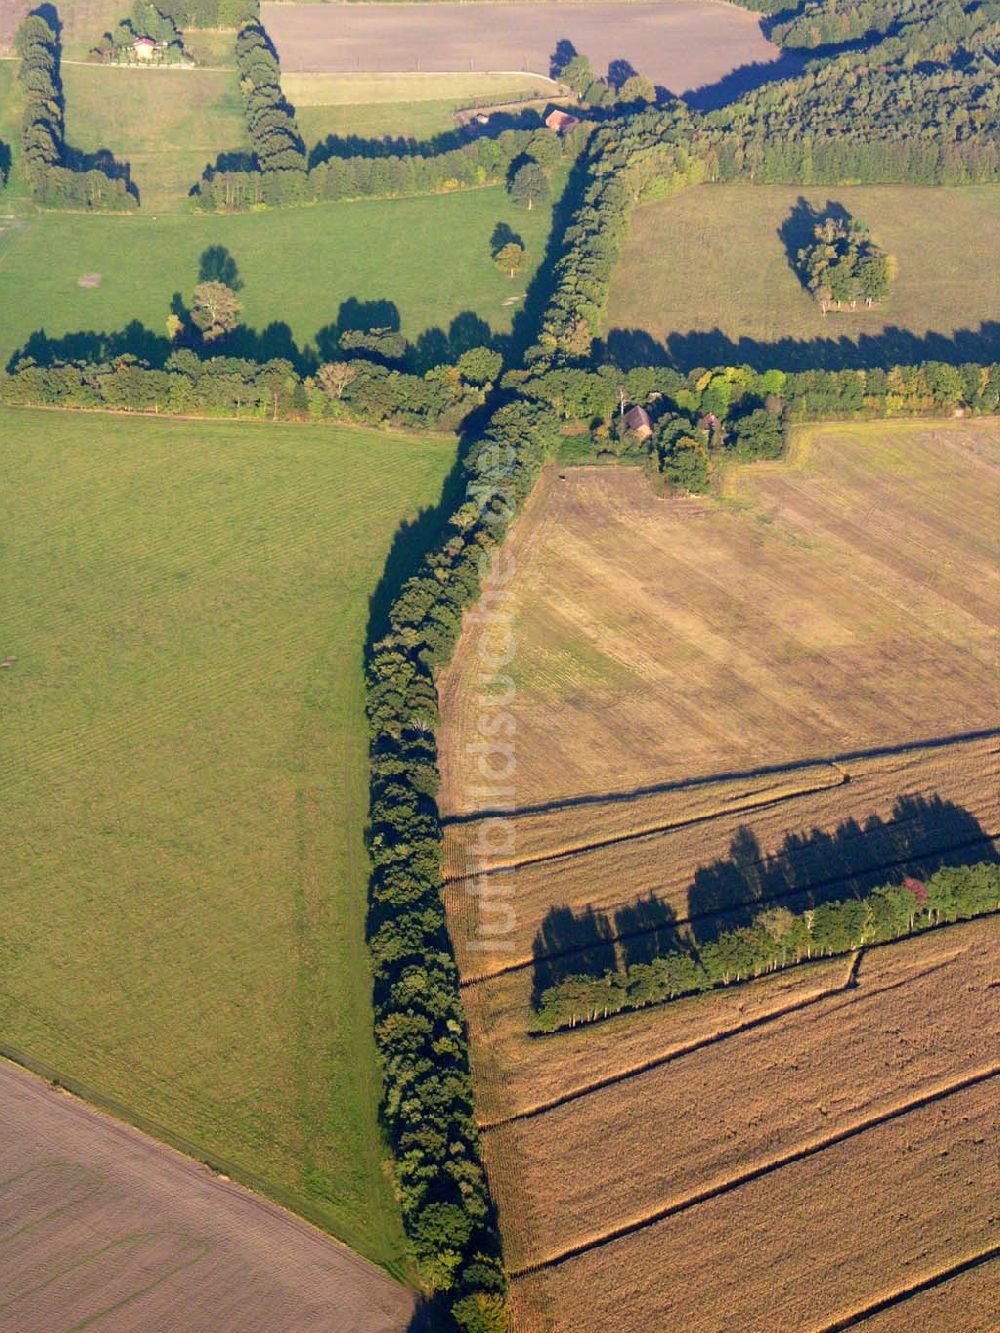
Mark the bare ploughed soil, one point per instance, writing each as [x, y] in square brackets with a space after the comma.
[785, 693]
[679, 44]
[102, 1226]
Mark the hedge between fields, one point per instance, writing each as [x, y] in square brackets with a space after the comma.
[278, 173]
[776, 939]
[358, 390]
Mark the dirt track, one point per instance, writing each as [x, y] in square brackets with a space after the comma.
[679, 44]
[99, 1224]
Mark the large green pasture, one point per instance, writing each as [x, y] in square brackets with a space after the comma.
[712, 259]
[184, 769]
[429, 256]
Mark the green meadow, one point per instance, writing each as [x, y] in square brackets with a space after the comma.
[184, 765]
[429, 256]
[712, 259]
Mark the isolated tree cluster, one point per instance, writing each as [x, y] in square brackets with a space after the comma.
[776, 939]
[842, 265]
[143, 20]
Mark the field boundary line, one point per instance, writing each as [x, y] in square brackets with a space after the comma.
[850, 983]
[676, 1052]
[759, 1172]
[706, 779]
[651, 831]
[989, 839]
[937, 1279]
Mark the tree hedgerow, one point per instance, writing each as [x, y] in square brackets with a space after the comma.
[776, 938]
[420, 1024]
[43, 144]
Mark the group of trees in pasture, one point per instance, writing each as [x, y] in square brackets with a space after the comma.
[44, 156]
[842, 265]
[420, 1024]
[777, 938]
[143, 20]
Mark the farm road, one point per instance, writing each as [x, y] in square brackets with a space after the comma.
[679, 44]
[101, 1225]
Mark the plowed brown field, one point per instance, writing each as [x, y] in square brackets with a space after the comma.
[787, 693]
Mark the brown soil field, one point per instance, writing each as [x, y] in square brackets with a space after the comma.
[679, 44]
[802, 1245]
[783, 692]
[100, 1225]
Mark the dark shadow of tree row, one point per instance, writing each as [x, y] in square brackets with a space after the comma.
[920, 836]
[630, 348]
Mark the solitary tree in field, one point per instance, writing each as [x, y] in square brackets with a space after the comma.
[509, 258]
[215, 310]
[529, 185]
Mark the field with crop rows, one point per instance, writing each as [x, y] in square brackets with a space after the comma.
[782, 694]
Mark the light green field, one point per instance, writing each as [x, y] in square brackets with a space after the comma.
[711, 259]
[184, 766]
[413, 106]
[168, 124]
[430, 256]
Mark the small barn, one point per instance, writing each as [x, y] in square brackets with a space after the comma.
[561, 121]
[144, 48]
[638, 422]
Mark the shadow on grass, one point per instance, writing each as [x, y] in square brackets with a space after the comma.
[630, 348]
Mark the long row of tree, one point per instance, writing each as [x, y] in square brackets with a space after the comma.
[420, 1024]
[44, 156]
[351, 390]
[625, 163]
[410, 171]
[777, 938]
[701, 419]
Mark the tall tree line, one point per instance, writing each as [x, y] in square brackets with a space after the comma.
[43, 142]
[776, 939]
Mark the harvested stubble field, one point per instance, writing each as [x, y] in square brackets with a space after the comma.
[679, 44]
[779, 694]
[706, 275]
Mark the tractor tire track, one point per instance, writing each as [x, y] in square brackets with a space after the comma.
[850, 983]
[757, 1172]
[937, 1279]
[766, 802]
[708, 779]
